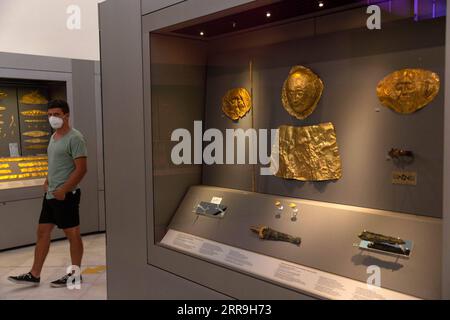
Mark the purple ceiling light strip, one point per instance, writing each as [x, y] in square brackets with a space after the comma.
[416, 10]
[434, 9]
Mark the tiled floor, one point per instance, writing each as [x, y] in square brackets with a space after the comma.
[93, 270]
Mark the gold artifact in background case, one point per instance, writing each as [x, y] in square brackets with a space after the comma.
[236, 103]
[301, 92]
[36, 134]
[33, 97]
[408, 90]
[309, 153]
[19, 159]
[34, 113]
[36, 147]
[36, 140]
[36, 120]
[34, 169]
[20, 168]
[24, 176]
[32, 164]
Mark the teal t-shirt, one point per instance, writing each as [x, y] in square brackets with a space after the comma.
[61, 156]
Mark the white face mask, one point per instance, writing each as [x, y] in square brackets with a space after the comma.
[55, 122]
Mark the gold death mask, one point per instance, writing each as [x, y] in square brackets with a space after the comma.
[309, 153]
[301, 92]
[236, 103]
[408, 90]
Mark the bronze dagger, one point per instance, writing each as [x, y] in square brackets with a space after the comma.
[267, 233]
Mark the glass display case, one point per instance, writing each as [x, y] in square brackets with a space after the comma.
[24, 130]
[302, 146]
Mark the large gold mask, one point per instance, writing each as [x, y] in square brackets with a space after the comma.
[408, 90]
[301, 92]
[236, 103]
[309, 153]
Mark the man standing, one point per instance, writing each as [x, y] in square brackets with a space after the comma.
[67, 165]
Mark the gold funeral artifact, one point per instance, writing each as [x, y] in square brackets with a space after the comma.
[19, 159]
[33, 97]
[32, 164]
[34, 113]
[34, 169]
[35, 134]
[236, 103]
[36, 147]
[24, 175]
[408, 90]
[301, 92]
[3, 95]
[309, 153]
[2, 108]
[35, 120]
[36, 140]
[5, 171]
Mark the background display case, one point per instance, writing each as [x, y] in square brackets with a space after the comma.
[25, 130]
[190, 60]
[29, 81]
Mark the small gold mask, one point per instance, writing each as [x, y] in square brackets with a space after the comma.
[408, 90]
[236, 103]
[301, 92]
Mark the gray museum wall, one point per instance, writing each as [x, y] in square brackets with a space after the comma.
[151, 6]
[20, 207]
[365, 130]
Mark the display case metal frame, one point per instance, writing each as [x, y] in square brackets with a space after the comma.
[158, 255]
[186, 269]
[222, 279]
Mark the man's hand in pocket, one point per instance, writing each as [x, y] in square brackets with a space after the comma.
[59, 194]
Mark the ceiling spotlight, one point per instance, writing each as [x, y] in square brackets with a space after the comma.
[321, 4]
[202, 33]
[268, 14]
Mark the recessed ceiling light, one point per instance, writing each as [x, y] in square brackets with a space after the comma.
[268, 14]
[321, 4]
[202, 33]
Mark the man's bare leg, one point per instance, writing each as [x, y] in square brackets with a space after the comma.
[42, 247]
[76, 245]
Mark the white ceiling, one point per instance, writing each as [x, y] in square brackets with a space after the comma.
[39, 27]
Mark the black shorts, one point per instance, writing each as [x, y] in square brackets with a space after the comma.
[64, 214]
